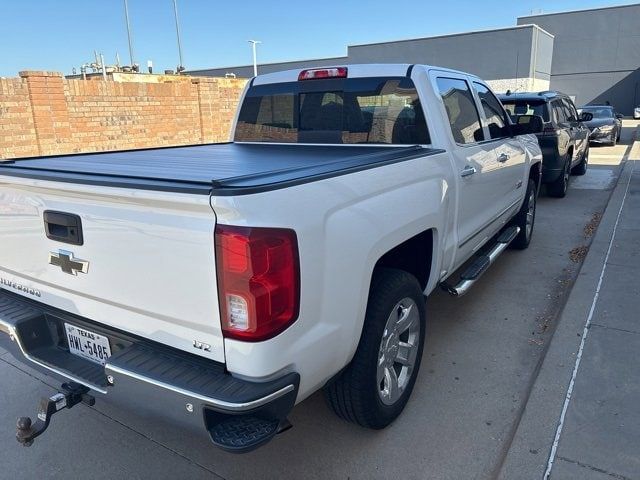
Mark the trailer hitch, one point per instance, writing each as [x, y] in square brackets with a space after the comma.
[70, 395]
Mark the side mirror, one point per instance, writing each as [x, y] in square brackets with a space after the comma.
[528, 124]
[586, 117]
[619, 116]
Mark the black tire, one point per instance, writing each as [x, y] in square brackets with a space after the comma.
[523, 238]
[619, 133]
[614, 139]
[354, 395]
[581, 168]
[560, 186]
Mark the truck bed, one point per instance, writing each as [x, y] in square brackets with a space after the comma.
[219, 169]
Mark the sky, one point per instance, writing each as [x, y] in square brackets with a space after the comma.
[61, 34]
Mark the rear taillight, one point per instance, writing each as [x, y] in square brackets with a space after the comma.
[258, 281]
[317, 73]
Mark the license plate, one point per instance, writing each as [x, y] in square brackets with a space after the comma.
[86, 344]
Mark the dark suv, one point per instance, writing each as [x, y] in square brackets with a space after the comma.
[564, 140]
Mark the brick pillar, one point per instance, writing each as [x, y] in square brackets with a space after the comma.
[49, 110]
[228, 97]
[218, 100]
[206, 88]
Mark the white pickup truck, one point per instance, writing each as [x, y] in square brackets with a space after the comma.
[219, 285]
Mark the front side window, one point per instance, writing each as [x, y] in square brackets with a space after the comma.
[384, 110]
[464, 119]
[493, 111]
[559, 112]
[570, 111]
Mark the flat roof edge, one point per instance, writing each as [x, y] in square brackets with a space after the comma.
[610, 7]
[457, 34]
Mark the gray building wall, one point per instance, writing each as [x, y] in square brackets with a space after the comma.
[246, 71]
[596, 54]
[473, 52]
[516, 57]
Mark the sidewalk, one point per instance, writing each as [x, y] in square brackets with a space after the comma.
[582, 420]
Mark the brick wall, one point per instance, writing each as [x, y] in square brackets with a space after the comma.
[42, 113]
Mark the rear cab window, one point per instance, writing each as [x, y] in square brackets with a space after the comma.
[372, 110]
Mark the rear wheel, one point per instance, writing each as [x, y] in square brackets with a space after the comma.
[526, 217]
[581, 168]
[375, 387]
[560, 186]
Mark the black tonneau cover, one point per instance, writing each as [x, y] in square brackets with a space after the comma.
[220, 169]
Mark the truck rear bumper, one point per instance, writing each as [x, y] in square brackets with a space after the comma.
[237, 414]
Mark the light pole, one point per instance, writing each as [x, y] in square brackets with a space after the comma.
[255, 56]
[126, 15]
[175, 12]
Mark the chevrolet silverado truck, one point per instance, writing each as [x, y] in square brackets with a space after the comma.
[219, 285]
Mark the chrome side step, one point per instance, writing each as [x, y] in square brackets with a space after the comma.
[481, 264]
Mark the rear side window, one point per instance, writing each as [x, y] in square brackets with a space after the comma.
[352, 110]
[493, 111]
[527, 107]
[461, 110]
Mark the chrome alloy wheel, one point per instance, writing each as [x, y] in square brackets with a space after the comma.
[531, 213]
[398, 350]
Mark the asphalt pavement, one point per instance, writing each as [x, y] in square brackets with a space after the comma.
[483, 362]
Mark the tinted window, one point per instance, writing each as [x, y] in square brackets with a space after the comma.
[493, 111]
[559, 111]
[353, 110]
[461, 110]
[517, 107]
[569, 110]
[599, 112]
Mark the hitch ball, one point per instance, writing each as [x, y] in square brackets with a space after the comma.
[24, 431]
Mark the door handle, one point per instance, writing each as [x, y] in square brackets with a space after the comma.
[467, 171]
[503, 157]
[63, 227]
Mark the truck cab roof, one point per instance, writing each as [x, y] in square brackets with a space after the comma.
[354, 71]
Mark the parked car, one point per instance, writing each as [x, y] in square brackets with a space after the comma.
[564, 139]
[221, 284]
[636, 113]
[605, 125]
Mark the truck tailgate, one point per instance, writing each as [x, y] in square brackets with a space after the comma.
[148, 256]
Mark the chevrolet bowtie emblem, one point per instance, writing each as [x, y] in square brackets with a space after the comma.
[68, 263]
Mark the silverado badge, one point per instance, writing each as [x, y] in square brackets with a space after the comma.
[67, 263]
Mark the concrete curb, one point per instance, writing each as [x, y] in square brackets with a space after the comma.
[529, 451]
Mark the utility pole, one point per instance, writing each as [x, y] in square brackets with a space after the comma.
[255, 56]
[126, 15]
[175, 12]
